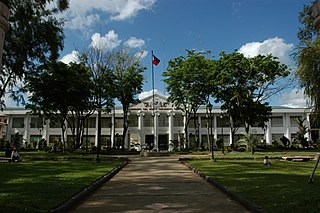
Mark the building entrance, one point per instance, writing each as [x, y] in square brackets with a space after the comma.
[163, 142]
[149, 141]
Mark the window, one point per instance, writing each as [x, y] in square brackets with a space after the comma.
[118, 122]
[133, 121]
[92, 122]
[163, 120]
[54, 124]
[148, 120]
[205, 121]
[106, 122]
[191, 122]
[293, 121]
[34, 139]
[36, 122]
[18, 122]
[54, 138]
[178, 120]
[223, 122]
[277, 121]
[276, 137]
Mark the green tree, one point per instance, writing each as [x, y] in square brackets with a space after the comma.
[186, 84]
[62, 92]
[307, 31]
[245, 84]
[128, 83]
[308, 74]
[34, 38]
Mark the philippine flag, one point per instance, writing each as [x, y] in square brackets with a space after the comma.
[155, 60]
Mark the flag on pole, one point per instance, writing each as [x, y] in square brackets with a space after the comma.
[155, 60]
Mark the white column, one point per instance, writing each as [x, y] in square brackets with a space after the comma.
[66, 132]
[155, 129]
[287, 126]
[113, 127]
[96, 132]
[26, 135]
[141, 114]
[215, 127]
[307, 123]
[199, 129]
[230, 136]
[45, 130]
[186, 137]
[171, 135]
[127, 141]
[268, 133]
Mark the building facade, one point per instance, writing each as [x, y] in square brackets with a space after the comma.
[159, 125]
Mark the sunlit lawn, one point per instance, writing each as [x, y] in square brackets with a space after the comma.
[37, 186]
[282, 187]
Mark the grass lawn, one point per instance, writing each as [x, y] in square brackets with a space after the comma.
[40, 185]
[282, 187]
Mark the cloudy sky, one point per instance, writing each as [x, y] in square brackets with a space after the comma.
[169, 27]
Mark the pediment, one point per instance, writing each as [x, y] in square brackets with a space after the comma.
[160, 103]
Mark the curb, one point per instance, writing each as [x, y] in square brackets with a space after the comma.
[238, 198]
[85, 192]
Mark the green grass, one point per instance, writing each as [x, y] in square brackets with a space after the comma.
[40, 185]
[282, 187]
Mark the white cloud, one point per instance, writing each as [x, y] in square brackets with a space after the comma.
[82, 22]
[149, 93]
[134, 42]
[117, 10]
[294, 98]
[129, 8]
[141, 54]
[71, 57]
[275, 46]
[107, 42]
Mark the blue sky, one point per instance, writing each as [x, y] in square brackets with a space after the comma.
[168, 27]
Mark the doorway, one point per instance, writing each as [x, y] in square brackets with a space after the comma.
[163, 142]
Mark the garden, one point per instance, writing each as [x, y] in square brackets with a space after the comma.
[43, 181]
[282, 187]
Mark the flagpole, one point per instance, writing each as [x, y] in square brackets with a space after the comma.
[154, 129]
[152, 82]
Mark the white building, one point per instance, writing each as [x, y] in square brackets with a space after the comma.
[159, 125]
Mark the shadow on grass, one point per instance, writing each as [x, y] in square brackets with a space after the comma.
[37, 186]
[282, 187]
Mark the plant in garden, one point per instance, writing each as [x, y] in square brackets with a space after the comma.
[250, 141]
[302, 131]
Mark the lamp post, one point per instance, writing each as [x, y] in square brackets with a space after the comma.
[209, 107]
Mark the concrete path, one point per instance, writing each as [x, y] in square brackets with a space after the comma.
[158, 184]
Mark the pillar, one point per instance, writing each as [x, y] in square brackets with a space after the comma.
[171, 135]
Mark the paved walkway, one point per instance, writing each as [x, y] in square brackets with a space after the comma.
[158, 184]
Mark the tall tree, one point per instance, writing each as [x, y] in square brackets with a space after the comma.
[62, 92]
[186, 85]
[128, 83]
[307, 31]
[307, 58]
[100, 63]
[245, 84]
[34, 38]
[308, 73]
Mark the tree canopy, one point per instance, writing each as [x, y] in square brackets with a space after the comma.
[63, 92]
[307, 58]
[34, 38]
[245, 84]
[188, 83]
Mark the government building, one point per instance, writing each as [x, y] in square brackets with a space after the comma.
[160, 125]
